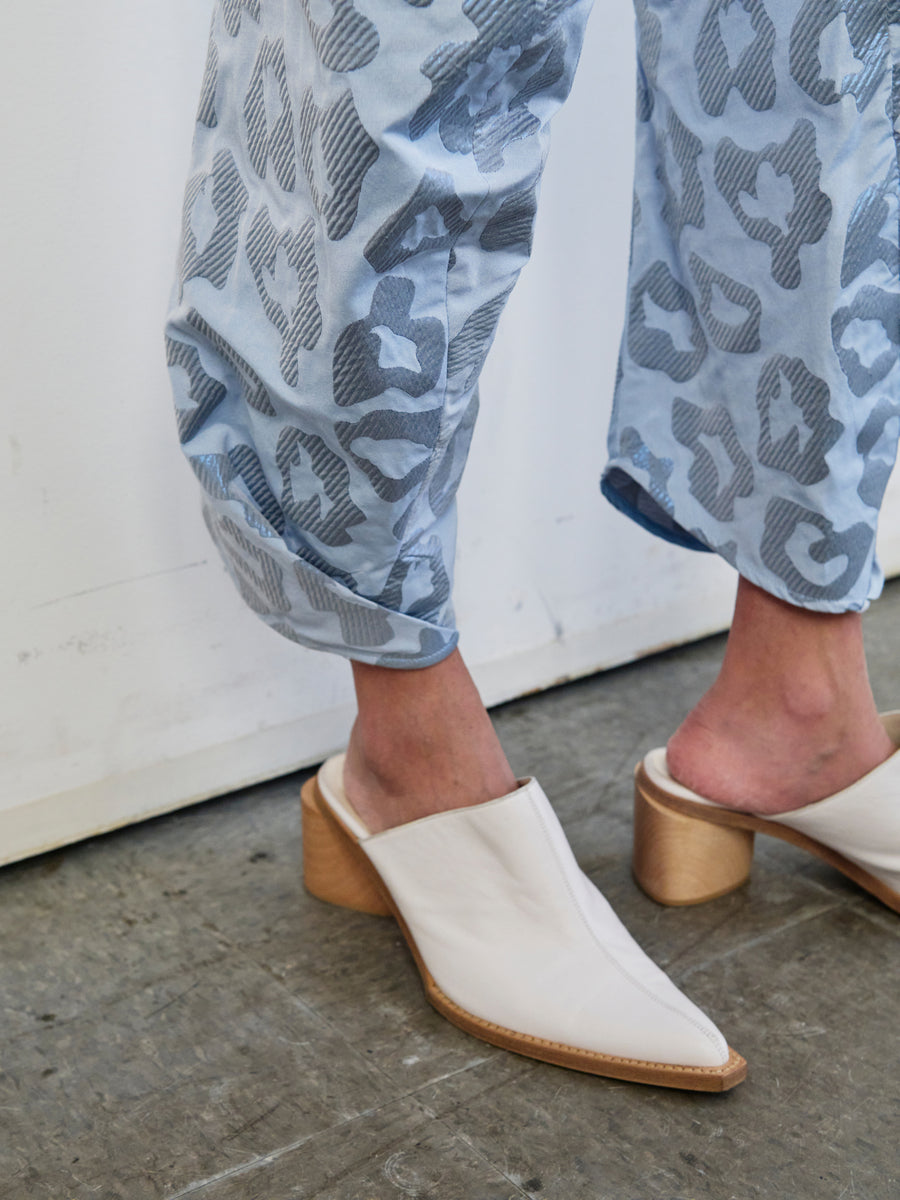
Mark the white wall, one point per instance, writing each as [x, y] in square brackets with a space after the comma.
[134, 678]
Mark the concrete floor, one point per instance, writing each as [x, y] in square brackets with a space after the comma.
[179, 1019]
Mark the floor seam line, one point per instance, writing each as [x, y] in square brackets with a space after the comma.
[759, 940]
[461, 1137]
[272, 1156]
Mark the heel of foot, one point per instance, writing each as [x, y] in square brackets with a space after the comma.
[685, 860]
[334, 869]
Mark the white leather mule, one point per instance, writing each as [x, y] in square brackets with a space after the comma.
[513, 942]
[688, 849]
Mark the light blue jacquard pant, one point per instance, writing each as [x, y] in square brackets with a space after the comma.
[362, 195]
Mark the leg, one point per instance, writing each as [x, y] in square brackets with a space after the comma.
[362, 203]
[422, 743]
[756, 416]
[791, 717]
[347, 251]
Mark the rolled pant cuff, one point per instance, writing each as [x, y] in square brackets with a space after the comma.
[308, 607]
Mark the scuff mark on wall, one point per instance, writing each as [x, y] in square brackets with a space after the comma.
[103, 587]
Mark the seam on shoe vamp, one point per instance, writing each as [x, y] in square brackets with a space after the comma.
[609, 955]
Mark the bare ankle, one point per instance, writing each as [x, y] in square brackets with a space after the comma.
[790, 719]
[423, 743]
[420, 784]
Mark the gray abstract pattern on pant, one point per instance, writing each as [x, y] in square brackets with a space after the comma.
[361, 200]
[353, 172]
[757, 406]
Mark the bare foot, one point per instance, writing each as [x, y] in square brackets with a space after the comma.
[790, 719]
[422, 744]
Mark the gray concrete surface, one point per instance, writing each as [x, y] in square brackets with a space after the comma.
[179, 1019]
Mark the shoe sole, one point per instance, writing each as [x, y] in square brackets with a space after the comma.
[687, 853]
[338, 871]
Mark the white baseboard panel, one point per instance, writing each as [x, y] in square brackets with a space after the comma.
[52, 821]
[48, 822]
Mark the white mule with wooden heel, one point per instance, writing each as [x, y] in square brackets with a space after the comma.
[688, 849]
[513, 942]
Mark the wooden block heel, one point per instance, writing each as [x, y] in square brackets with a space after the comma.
[334, 868]
[681, 859]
